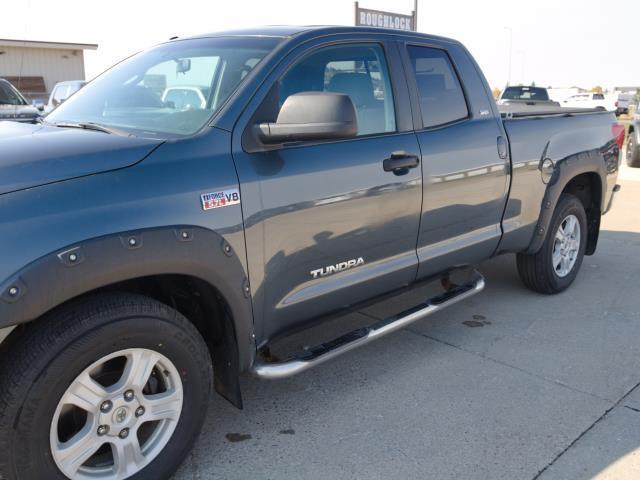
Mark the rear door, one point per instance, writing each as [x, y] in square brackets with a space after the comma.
[465, 178]
[326, 225]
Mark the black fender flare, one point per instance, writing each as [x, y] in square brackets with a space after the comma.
[563, 172]
[99, 262]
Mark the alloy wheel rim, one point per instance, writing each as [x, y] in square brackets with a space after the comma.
[566, 246]
[116, 416]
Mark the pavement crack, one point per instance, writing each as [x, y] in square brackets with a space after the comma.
[587, 430]
[632, 408]
[504, 364]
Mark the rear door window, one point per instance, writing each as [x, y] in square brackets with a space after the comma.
[442, 100]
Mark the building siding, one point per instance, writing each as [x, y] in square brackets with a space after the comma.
[53, 64]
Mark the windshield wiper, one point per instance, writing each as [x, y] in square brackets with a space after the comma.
[93, 126]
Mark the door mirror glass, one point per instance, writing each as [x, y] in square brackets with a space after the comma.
[311, 116]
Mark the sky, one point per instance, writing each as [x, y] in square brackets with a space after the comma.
[558, 43]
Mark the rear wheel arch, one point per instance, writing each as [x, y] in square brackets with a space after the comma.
[584, 176]
[587, 187]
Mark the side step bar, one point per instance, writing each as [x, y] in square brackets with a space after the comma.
[326, 351]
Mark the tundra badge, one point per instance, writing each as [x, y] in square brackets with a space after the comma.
[220, 199]
[331, 269]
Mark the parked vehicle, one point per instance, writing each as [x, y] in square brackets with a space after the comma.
[13, 106]
[623, 102]
[633, 140]
[61, 92]
[151, 253]
[185, 97]
[590, 100]
[527, 96]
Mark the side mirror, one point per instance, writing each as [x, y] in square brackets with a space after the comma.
[311, 116]
[183, 65]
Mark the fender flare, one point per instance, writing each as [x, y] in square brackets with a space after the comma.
[564, 171]
[91, 264]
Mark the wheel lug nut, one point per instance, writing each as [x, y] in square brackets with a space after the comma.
[103, 430]
[106, 406]
[139, 411]
[128, 395]
[124, 433]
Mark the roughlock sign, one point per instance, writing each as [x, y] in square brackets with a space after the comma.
[223, 198]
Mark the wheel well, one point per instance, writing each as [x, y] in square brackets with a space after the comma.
[587, 187]
[202, 304]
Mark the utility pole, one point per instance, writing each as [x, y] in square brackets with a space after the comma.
[415, 15]
[510, 54]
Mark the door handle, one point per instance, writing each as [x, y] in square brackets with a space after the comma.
[400, 161]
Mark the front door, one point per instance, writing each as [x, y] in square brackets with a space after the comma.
[326, 225]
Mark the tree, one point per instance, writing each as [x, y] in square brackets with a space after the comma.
[496, 93]
[597, 89]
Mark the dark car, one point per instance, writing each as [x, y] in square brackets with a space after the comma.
[153, 250]
[13, 106]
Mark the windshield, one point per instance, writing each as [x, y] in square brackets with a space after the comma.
[525, 93]
[9, 95]
[170, 90]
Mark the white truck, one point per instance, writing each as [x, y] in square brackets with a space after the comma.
[590, 100]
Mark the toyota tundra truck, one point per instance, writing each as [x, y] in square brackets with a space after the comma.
[152, 251]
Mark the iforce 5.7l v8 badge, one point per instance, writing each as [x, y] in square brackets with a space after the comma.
[220, 199]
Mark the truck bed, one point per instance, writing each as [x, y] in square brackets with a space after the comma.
[555, 135]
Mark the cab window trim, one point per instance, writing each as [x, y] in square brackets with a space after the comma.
[411, 77]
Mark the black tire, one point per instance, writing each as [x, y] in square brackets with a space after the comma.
[43, 359]
[537, 271]
[633, 151]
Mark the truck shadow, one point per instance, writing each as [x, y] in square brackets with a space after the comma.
[540, 369]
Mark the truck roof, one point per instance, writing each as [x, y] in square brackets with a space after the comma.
[288, 31]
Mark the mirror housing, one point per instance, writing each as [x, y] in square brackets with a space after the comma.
[311, 116]
[183, 65]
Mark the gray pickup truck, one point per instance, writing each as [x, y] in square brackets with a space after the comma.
[152, 251]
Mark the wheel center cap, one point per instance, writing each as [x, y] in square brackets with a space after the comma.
[120, 415]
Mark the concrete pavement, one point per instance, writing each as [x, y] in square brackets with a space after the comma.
[506, 385]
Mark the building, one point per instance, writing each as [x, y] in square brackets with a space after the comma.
[34, 67]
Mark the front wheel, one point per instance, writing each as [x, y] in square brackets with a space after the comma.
[555, 266]
[99, 388]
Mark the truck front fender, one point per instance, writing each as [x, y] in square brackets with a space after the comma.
[100, 262]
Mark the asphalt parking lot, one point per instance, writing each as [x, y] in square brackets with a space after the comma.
[506, 385]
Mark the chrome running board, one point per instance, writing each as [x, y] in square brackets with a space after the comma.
[326, 351]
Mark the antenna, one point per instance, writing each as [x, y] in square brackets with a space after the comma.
[24, 44]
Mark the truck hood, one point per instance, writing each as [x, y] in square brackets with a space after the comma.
[33, 155]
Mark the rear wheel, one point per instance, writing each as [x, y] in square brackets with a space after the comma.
[555, 266]
[98, 389]
[633, 151]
